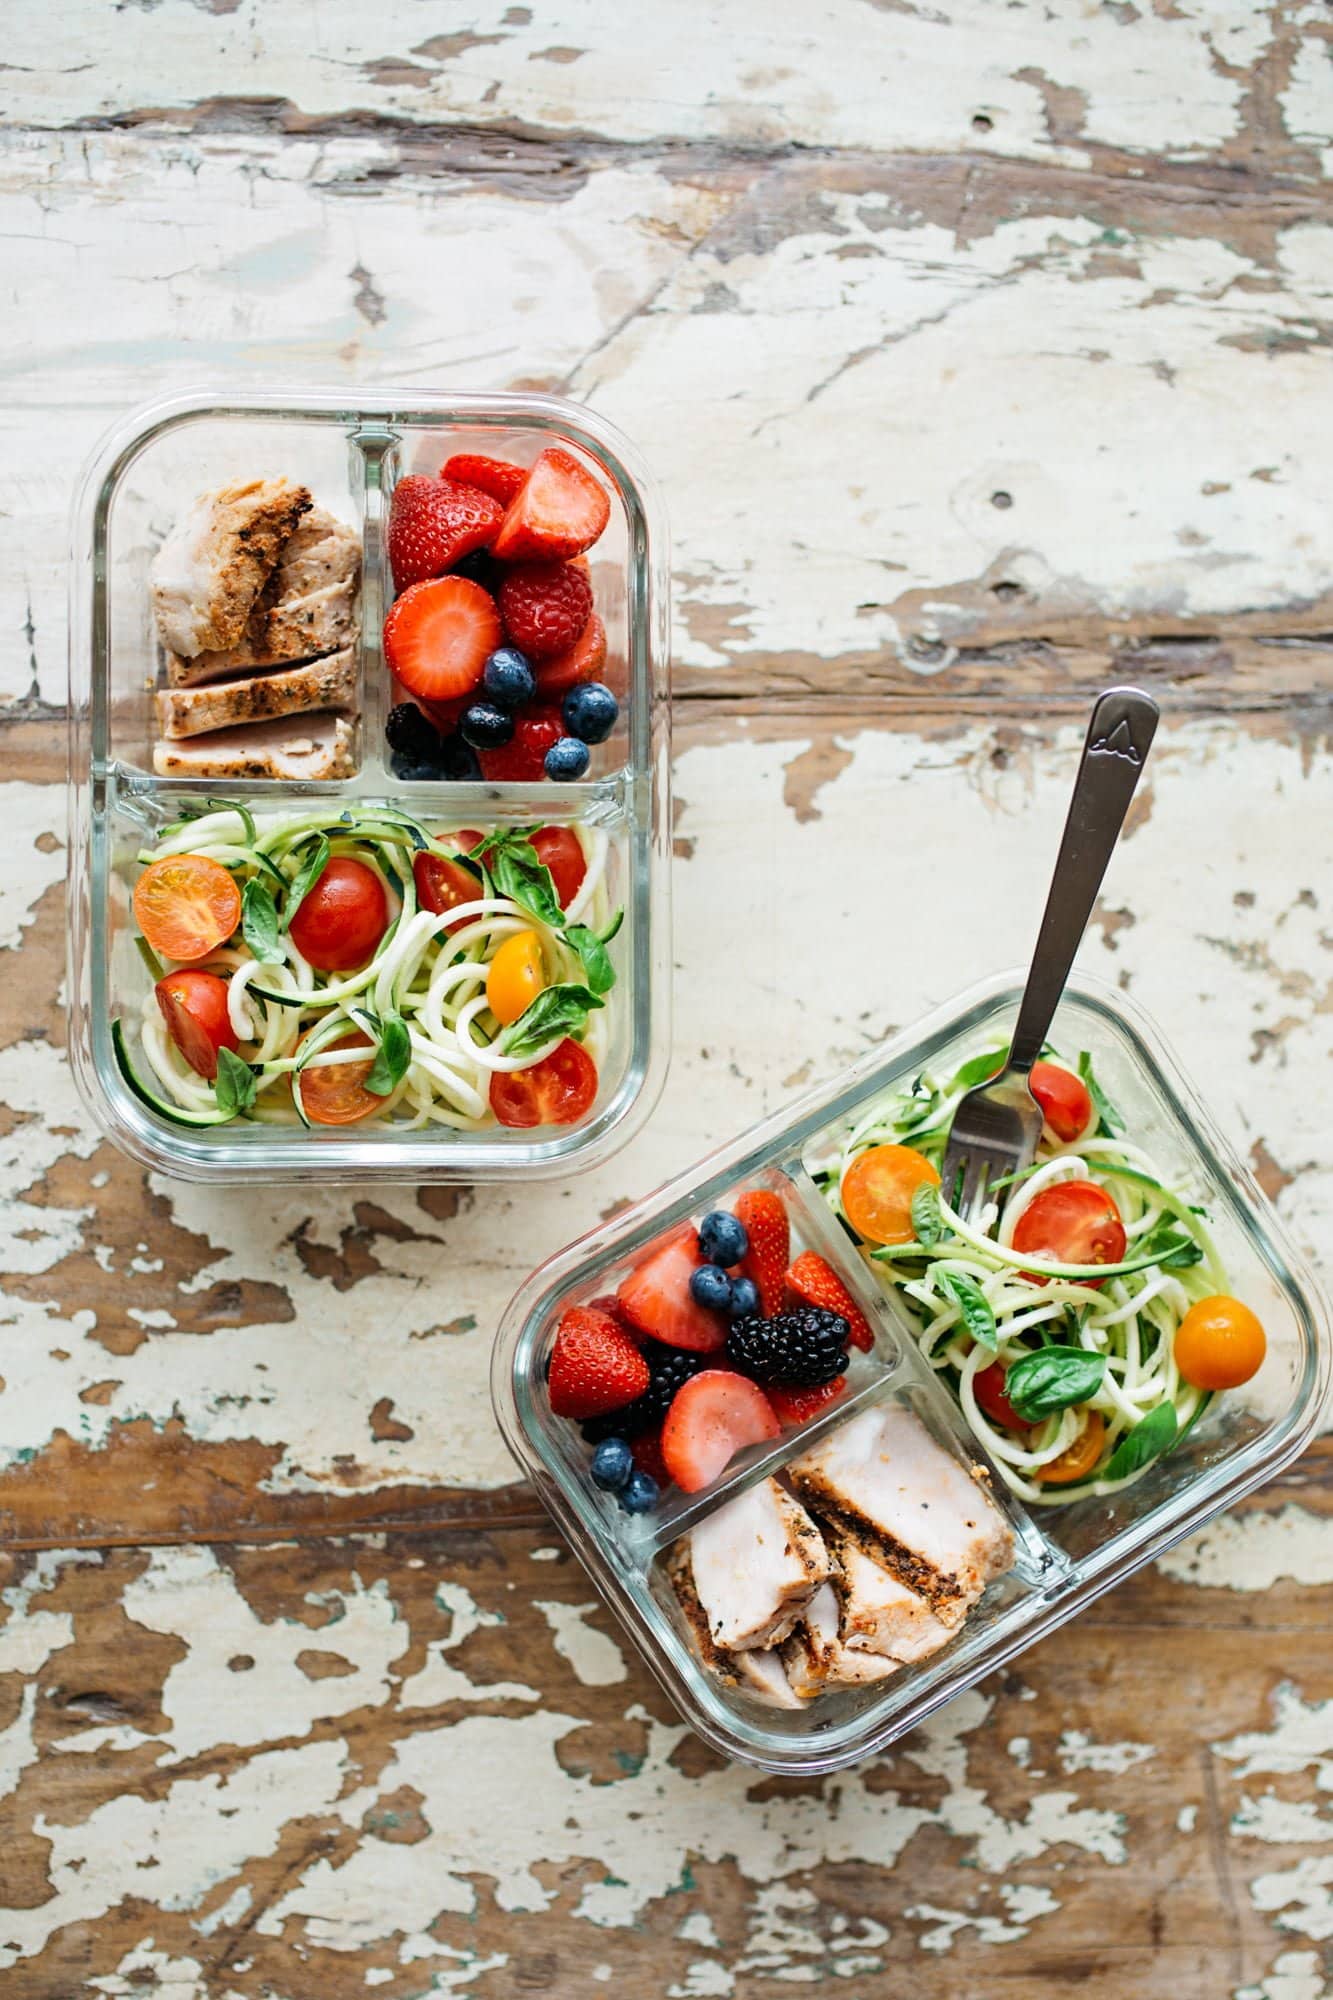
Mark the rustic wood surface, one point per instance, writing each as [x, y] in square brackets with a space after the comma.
[982, 352]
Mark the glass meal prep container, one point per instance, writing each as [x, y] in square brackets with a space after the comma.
[1063, 1557]
[350, 450]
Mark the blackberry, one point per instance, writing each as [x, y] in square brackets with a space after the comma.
[413, 734]
[481, 567]
[807, 1347]
[670, 1369]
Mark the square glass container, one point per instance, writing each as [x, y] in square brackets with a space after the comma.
[350, 449]
[1064, 1557]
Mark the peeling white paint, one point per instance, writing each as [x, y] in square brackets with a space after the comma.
[1253, 1551]
[595, 1657]
[1077, 1751]
[1296, 1975]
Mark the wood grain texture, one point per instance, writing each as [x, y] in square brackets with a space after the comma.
[982, 353]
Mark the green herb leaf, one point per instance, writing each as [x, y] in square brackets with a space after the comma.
[235, 1085]
[391, 1057]
[305, 879]
[557, 1010]
[1147, 1441]
[259, 922]
[513, 866]
[1173, 1250]
[1110, 1118]
[927, 1216]
[591, 948]
[967, 1294]
[978, 1069]
[1054, 1378]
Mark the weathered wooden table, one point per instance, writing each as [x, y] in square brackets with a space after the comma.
[983, 352]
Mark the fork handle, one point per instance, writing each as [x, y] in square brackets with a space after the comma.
[1114, 753]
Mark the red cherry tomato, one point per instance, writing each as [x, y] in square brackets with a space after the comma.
[336, 1094]
[988, 1388]
[559, 1090]
[557, 848]
[1065, 1103]
[1074, 1222]
[342, 916]
[194, 1007]
[443, 884]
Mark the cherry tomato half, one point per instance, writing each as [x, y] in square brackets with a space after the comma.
[557, 848]
[342, 916]
[516, 976]
[988, 1388]
[186, 905]
[1074, 1222]
[1064, 1099]
[336, 1094]
[1219, 1344]
[194, 1007]
[444, 884]
[1077, 1462]
[877, 1192]
[559, 1090]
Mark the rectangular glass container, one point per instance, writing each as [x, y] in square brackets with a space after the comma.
[350, 450]
[1064, 1557]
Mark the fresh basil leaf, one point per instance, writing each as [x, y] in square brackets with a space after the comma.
[1147, 1441]
[591, 948]
[978, 1069]
[391, 1057]
[305, 879]
[975, 1307]
[1173, 1250]
[235, 1085]
[927, 1216]
[1111, 1121]
[513, 866]
[259, 922]
[1054, 1378]
[557, 1010]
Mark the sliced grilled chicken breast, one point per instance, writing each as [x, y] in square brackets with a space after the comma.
[209, 571]
[814, 1657]
[755, 1564]
[762, 1674]
[308, 606]
[315, 747]
[328, 683]
[759, 1672]
[877, 1613]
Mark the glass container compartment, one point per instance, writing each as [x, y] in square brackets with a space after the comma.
[350, 450]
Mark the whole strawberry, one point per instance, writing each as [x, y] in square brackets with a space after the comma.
[764, 1218]
[495, 476]
[434, 523]
[545, 607]
[595, 1366]
[816, 1281]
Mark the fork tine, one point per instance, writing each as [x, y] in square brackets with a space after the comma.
[974, 1181]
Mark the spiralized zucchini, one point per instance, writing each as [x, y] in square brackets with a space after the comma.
[1129, 1319]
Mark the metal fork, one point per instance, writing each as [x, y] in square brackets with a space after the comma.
[997, 1125]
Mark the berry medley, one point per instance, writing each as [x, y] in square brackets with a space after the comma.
[493, 632]
[717, 1339]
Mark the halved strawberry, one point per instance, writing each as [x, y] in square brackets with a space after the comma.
[816, 1281]
[522, 758]
[495, 476]
[595, 1366]
[439, 635]
[715, 1415]
[559, 511]
[582, 661]
[433, 523]
[646, 1451]
[545, 607]
[797, 1406]
[765, 1220]
[655, 1297]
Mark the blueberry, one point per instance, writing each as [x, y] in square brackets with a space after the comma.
[508, 678]
[612, 1465]
[639, 1495]
[722, 1238]
[486, 726]
[458, 759]
[414, 770]
[566, 759]
[711, 1287]
[744, 1298]
[589, 711]
[414, 734]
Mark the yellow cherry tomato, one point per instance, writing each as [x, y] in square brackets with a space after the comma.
[1219, 1344]
[515, 977]
[877, 1192]
[1077, 1462]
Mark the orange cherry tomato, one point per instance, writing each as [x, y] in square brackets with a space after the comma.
[1082, 1455]
[877, 1192]
[559, 1090]
[1064, 1099]
[342, 916]
[336, 1095]
[515, 977]
[186, 905]
[1219, 1344]
[988, 1388]
[1074, 1222]
[194, 1007]
[557, 848]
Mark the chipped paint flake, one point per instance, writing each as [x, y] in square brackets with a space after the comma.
[594, 1656]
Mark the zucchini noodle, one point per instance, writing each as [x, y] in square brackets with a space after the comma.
[1128, 1318]
[429, 970]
